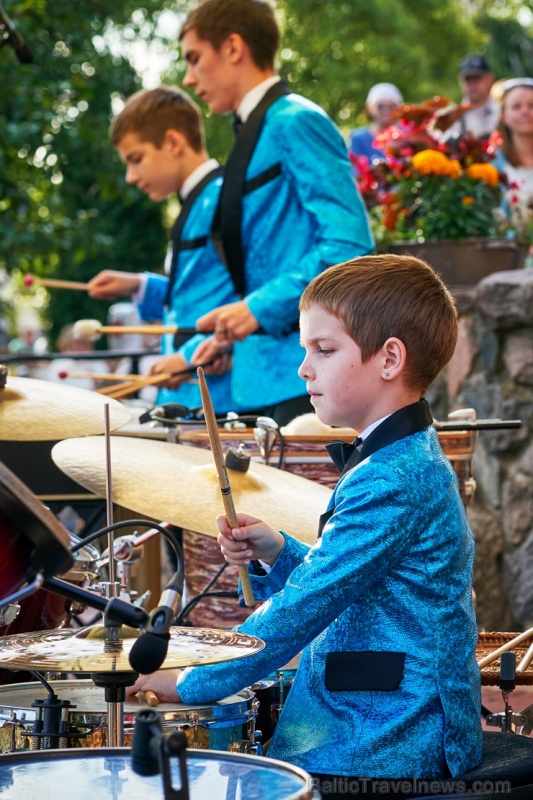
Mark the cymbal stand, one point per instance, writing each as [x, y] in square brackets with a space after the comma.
[114, 684]
[507, 720]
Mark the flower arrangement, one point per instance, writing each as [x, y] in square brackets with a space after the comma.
[427, 188]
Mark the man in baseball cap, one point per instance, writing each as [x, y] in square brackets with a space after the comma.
[476, 79]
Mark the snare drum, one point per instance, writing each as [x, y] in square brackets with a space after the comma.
[108, 774]
[219, 726]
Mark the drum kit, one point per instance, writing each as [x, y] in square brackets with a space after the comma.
[72, 718]
[45, 569]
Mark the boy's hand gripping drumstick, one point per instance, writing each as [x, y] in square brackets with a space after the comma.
[223, 479]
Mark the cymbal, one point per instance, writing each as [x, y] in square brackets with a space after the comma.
[179, 484]
[90, 650]
[35, 410]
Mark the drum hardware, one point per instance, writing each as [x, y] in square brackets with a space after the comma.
[265, 433]
[9, 613]
[465, 419]
[151, 752]
[509, 721]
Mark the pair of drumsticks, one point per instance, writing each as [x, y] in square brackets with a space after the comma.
[127, 384]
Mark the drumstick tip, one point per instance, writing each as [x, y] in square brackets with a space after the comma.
[63, 374]
[200, 372]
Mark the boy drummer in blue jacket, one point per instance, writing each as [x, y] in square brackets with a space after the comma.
[381, 606]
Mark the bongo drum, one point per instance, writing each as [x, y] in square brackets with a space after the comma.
[108, 774]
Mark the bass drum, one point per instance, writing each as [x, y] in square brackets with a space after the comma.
[44, 610]
[107, 774]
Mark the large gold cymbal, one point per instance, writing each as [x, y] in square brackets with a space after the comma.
[35, 410]
[179, 484]
[89, 649]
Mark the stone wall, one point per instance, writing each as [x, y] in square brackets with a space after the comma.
[492, 372]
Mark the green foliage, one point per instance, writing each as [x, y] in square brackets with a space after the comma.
[64, 207]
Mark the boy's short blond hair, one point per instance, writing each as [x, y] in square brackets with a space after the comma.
[150, 113]
[377, 297]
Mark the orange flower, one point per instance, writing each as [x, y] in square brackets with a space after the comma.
[432, 162]
[467, 201]
[484, 172]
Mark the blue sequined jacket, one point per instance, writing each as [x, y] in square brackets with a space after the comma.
[381, 606]
[202, 283]
[301, 215]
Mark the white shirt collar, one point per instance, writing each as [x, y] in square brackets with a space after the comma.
[254, 96]
[196, 176]
[367, 431]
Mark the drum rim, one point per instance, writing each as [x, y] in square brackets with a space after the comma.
[23, 756]
[241, 706]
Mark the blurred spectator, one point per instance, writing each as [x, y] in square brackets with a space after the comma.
[476, 79]
[29, 340]
[514, 140]
[126, 313]
[59, 369]
[382, 100]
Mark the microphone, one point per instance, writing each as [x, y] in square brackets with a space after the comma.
[8, 35]
[150, 649]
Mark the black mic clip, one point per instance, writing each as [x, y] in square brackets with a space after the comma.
[151, 752]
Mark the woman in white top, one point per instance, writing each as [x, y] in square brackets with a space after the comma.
[515, 152]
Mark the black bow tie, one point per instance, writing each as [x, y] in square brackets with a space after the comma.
[237, 124]
[341, 452]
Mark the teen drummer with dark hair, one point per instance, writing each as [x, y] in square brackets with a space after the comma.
[288, 209]
[381, 605]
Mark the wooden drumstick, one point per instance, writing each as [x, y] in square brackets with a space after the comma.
[136, 382]
[522, 637]
[525, 660]
[225, 488]
[55, 283]
[99, 376]
[149, 697]
[92, 329]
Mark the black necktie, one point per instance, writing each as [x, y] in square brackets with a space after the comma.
[341, 452]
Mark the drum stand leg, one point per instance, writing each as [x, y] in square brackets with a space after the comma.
[114, 685]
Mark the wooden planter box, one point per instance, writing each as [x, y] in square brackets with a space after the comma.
[467, 261]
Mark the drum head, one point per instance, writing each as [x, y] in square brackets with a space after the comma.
[108, 774]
